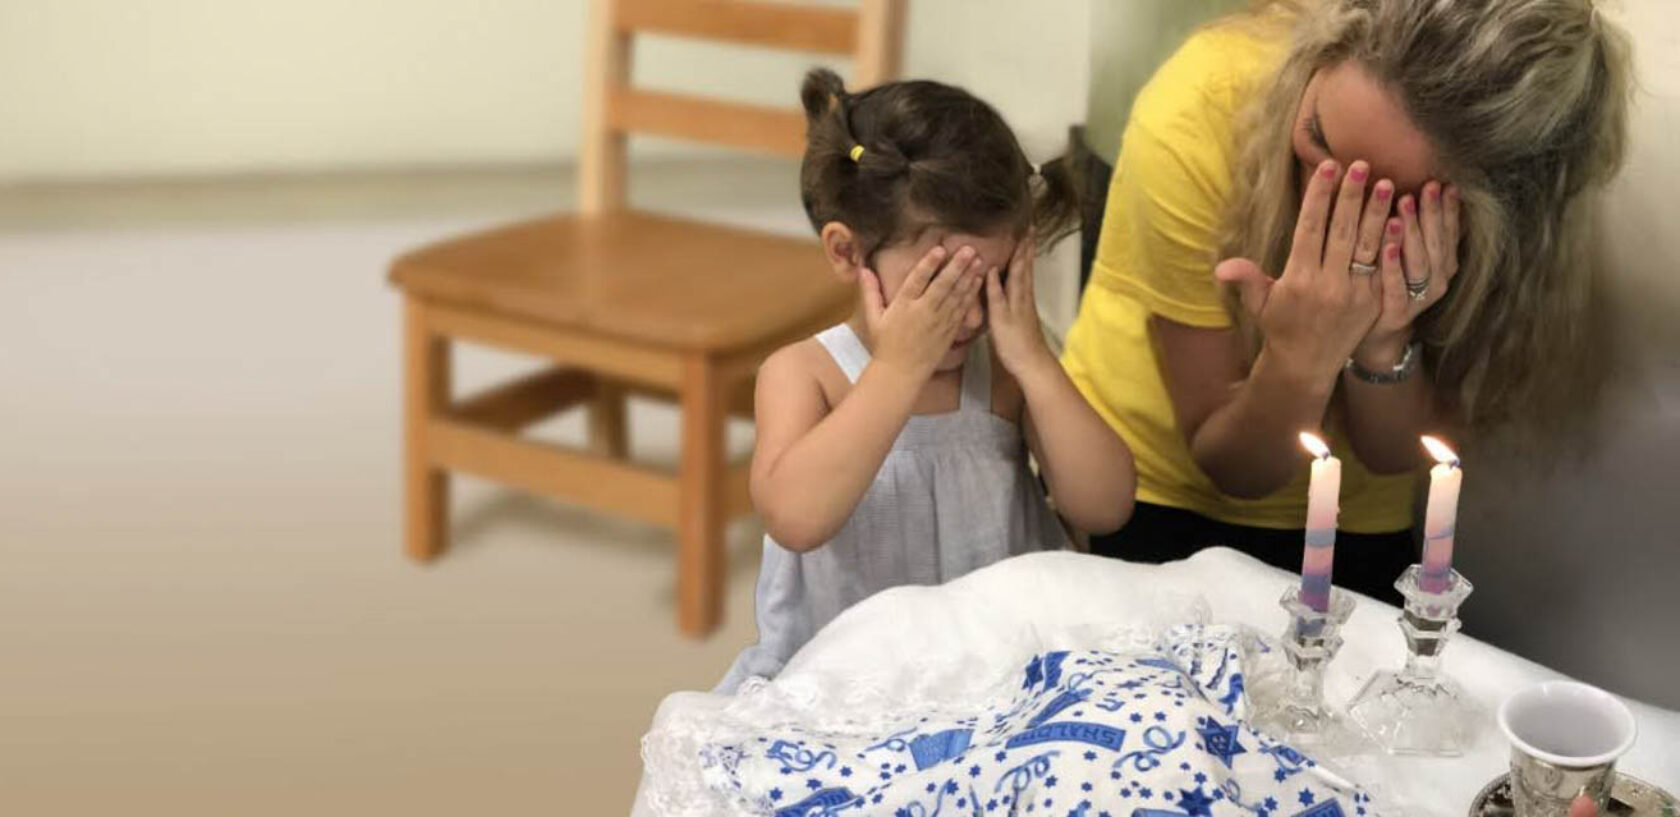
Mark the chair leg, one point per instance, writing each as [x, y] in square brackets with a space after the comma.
[700, 551]
[426, 389]
[608, 433]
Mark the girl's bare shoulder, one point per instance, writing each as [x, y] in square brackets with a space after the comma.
[802, 365]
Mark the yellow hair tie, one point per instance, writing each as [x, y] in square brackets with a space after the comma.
[857, 152]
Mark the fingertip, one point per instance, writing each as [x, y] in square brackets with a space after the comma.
[1328, 168]
[1232, 270]
[1408, 205]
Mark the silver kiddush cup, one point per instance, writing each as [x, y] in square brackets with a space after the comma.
[1565, 740]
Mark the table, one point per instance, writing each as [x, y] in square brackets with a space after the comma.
[1064, 600]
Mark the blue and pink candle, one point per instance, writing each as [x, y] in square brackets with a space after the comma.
[1323, 505]
[1441, 520]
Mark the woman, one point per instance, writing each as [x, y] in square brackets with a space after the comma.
[1403, 196]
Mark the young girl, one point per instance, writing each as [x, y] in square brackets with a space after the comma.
[890, 447]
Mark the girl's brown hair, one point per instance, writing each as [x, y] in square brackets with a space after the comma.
[898, 158]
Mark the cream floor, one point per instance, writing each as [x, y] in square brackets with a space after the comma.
[203, 609]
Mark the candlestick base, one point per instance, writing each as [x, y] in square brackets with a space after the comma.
[1296, 712]
[1418, 711]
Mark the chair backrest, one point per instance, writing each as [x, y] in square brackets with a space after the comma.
[871, 33]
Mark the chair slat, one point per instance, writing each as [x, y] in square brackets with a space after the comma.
[776, 131]
[774, 25]
[517, 404]
[541, 468]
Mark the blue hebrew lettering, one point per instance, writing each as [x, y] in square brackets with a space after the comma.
[1095, 734]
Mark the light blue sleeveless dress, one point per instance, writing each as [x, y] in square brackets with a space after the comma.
[954, 494]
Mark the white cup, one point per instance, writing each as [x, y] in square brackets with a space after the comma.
[1565, 738]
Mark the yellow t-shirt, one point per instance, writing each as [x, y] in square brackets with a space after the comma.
[1156, 254]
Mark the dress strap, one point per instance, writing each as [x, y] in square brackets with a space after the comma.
[846, 348]
[977, 377]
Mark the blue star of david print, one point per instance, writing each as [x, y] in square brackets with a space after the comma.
[1035, 673]
[1221, 741]
[1195, 803]
[1053, 668]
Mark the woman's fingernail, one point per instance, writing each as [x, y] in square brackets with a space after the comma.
[1328, 169]
[1408, 205]
[1358, 172]
[1384, 190]
[1394, 226]
[1392, 251]
[1433, 192]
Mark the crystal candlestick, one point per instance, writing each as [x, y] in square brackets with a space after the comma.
[1296, 713]
[1418, 711]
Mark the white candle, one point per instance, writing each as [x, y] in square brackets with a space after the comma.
[1322, 507]
[1442, 517]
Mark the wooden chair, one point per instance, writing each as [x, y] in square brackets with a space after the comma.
[627, 302]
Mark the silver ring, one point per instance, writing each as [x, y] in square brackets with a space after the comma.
[1417, 290]
[1363, 269]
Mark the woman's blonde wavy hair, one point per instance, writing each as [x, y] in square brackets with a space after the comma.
[1525, 102]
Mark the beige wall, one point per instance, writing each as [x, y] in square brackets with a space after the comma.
[100, 88]
[1576, 567]
[1129, 39]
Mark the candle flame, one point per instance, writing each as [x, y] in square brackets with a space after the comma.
[1440, 451]
[1315, 445]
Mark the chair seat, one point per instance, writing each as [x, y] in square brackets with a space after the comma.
[636, 277]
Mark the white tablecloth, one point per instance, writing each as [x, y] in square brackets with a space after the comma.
[1065, 600]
